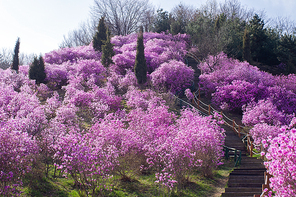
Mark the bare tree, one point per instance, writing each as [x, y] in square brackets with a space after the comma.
[185, 12]
[181, 15]
[147, 20]
[122, 16]
[284, 25]
[234, 9]
[81, 36]
[6, 56]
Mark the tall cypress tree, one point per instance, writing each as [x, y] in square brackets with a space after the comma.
[37, 70]
[246, 46]
[107, 51]
[15, 63]
[140, 67]
[100, 36]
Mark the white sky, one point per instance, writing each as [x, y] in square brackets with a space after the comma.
[41, 24]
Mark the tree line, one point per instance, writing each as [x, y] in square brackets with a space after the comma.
[240, 32]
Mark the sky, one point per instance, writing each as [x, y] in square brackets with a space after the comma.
[41, 24]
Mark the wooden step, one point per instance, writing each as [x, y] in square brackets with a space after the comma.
[239, 194]
[245, 181]
[235, 184]
[244, 189]
[247, 172]
[246, 178]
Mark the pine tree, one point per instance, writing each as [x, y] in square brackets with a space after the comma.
[15, 63]
[37, 70]
[257, 37]
[107, 51]
[100, 36]
[246, 46]
[140, 67]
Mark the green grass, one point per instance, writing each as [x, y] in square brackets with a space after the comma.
[141, 186]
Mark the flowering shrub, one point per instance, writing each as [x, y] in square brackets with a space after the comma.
[189, 94]
[198, 140]
[85, 158]
[172, 76]
[236, 94]
[264, 112]
[21, 110]
[220, 70]
[71, 54]
[142, 99]
[17, 150]
[284, 99]
[56, 75]
[281, 163]
[262, 131]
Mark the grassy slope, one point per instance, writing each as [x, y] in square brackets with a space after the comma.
[141, 186]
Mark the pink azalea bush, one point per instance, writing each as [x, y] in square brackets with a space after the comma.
[281, 163]
[264, 111]
[17, 152]
[172, 76]
[233, 96]
[189, 94]
[85, 158]
[71, 54]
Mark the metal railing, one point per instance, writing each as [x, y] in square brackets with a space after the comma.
[237, 155]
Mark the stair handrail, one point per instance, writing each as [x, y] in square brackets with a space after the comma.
[246, 137]
[237, 155]
[192, 55]
[211, 111]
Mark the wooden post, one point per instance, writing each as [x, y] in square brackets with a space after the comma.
[233, 126]
[209, 110]
[252, 147]
[261, 150]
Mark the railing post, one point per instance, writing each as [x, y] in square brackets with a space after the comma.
[252, 147]
[226, 153]
[261, 150]
[209, 110]
[233, 126]
[240, 158]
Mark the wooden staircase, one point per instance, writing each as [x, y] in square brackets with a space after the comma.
[246, 179]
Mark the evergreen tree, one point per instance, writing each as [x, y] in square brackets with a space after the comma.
[162, 22]
[246, 46]
[37, 70]
[287, 53]
[15, 63]
[100, 36]
[107, 51]
[257, 37]
[140, 67]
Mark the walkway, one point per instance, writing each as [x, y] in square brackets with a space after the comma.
[247, 179]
